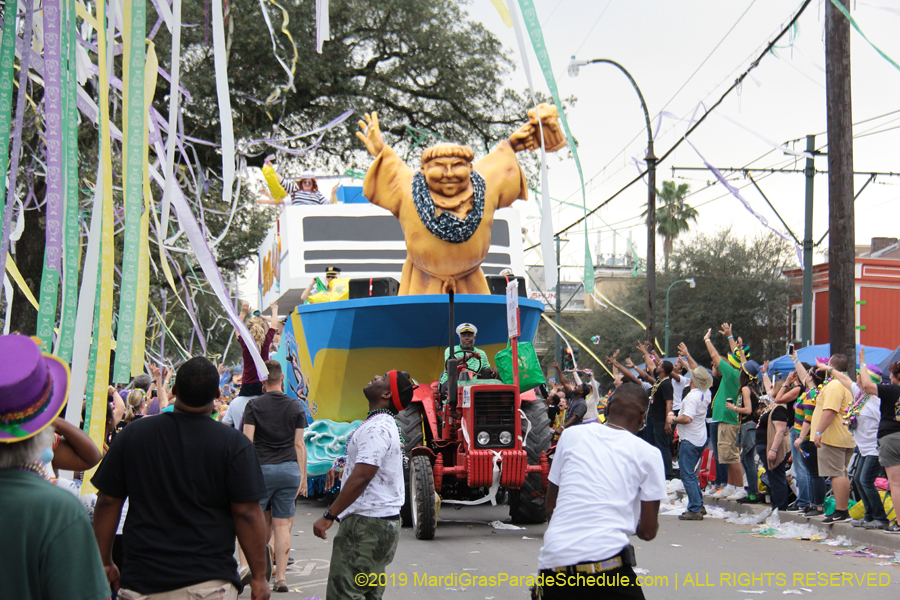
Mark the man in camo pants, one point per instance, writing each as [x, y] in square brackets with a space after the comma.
[368, 507]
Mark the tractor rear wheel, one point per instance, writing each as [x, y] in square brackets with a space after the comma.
[411, 423]
[526, 504]
[422, 497]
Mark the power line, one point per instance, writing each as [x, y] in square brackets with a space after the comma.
[737, 82]
[602, 12]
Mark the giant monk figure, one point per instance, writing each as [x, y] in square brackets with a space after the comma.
[446, 209]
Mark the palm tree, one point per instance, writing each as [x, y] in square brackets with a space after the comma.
[673, 216]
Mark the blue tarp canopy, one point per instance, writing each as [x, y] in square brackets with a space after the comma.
[886, 361]
[784, 364]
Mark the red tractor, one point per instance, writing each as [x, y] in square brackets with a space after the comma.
[465, 446]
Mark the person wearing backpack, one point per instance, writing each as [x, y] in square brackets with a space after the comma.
[747, 407]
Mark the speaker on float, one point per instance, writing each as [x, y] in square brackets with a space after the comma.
[373, 286]
[497, 284]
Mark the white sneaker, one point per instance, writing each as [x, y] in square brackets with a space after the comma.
[741, 493]
[725, 492]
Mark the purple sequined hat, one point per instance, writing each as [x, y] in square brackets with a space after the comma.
[33, 388]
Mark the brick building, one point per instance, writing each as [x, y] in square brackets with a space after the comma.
[877, 296]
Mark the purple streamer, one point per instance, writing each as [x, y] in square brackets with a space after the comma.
[53, 132]
[16, 138]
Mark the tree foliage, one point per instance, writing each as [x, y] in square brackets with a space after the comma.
[674, 216]
[739, 281]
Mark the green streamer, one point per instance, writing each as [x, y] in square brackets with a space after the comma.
[529, 15]
[92, 357]
[7, 58]
[72, 236]
[132, 165]
[846, 13]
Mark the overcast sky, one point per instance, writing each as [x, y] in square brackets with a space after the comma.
[682, 53]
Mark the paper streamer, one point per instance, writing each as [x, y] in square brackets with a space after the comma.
[323, 27]
[504, 12]
[72, 247]
[8, 296]
[529, 15]
[173, 117]
[140, 315]
[290, 84]
[55, 174]
[107, 258]
[7, 58]
[225, 116]
[133, 147]
[561, 331]
[737, 194]
[17, 130]
[853, 23]
[547, 234]
[20, 281]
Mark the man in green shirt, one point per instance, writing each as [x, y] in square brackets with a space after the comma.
[726, 423]
[478, 363]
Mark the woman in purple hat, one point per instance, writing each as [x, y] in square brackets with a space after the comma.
[48, 550]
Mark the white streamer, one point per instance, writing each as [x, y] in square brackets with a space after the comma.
[547, 235]
[323, 26]
[268, 20]
[565, 339]
[174, 99]
[225, 115]
[8, 295]
[84, 318]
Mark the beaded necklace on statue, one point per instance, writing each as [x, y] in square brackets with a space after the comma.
[341, 461]
[852, 413]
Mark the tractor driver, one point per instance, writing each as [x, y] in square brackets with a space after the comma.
[478, 363]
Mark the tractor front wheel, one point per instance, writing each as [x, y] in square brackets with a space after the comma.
[411, 422]
[526, 504]
[422, 497]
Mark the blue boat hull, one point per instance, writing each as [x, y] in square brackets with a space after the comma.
[331, 351]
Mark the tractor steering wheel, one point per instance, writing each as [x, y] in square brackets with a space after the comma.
[466, 355]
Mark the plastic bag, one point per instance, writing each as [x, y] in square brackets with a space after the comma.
[339, 290]
[530, 374]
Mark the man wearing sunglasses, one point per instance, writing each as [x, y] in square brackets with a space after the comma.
[331, 275]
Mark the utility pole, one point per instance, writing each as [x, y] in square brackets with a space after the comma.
[842, 246]
[558, 348]
[806, 316]
[651, 239]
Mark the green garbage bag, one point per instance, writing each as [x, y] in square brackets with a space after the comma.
[530, 374]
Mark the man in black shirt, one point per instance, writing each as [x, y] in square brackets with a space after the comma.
[192, 483]
[663, 395]
[274, 422]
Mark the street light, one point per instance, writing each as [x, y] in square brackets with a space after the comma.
[693, 284]
[573, 68]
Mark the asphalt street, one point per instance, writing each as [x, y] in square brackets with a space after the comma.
[707, 559]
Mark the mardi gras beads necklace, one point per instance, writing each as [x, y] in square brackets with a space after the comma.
[341, 461]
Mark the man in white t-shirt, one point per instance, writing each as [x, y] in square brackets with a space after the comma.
[691, 422]
[368, 507]
[584, 557]
[681, 381]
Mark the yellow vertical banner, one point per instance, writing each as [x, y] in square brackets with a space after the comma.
[108, 256]
[143, 295]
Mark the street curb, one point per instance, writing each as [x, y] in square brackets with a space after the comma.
[884, 543]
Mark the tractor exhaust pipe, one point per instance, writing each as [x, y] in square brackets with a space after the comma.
[452, 363]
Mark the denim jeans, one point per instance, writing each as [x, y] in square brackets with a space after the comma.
[867, 470]
[748, 457]
[688, 457]
[664, 443]
[721, 470]
[801, 475]
[777, 476]
[816, 483]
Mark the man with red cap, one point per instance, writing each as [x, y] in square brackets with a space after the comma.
[368, 507]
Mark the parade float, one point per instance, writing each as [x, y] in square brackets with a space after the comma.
[442, 228]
